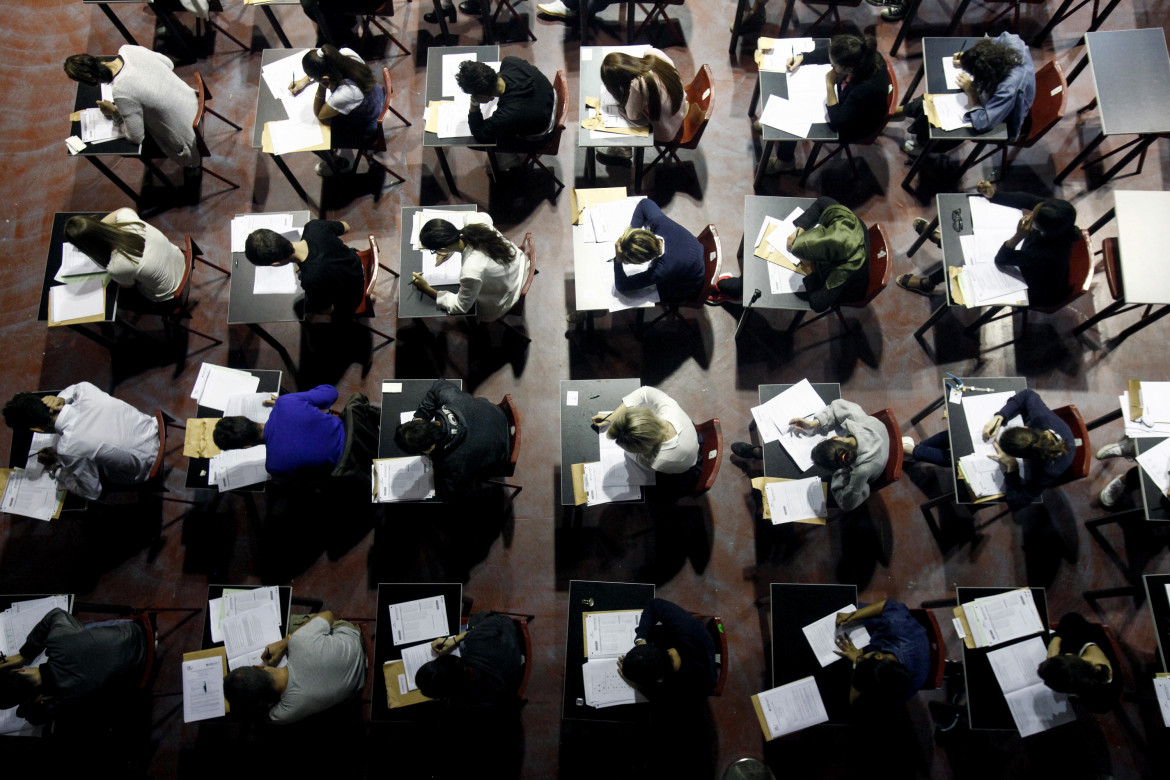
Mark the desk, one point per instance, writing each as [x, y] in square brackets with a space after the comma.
[986, 707]
[385, 650]
[1159, 602]
[215, 591]
[270, 109]
[777, 462]
[770, 83]
[197, 468]
[412, 304]
[794, 607]
[53, 265]
[597, 597]
[578, 439]
[1131, 76]
[933, 51]
[590, 86]
[434, 91]
[265, 7]
[18, 448]
[406, 398]
[247, 308]
[755, 270]
[960, 437]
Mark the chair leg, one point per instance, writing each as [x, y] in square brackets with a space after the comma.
[224, 179]
[394, 111]
[200, 259]
[181, 326]
[393, 38]
[234, 39]
[221, 117]
[375, 331]
[372, 160]
[516, 330]
[389, 270]
[548, 170]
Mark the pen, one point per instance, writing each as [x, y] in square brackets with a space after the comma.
[594, 396]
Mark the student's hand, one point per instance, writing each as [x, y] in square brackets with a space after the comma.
[845, 617]
[600, 420]
[964, 81]
[848, 650]
[439, 645]
[270, 401]
[792, 238]
[298, 86]
[805, 267]
[11, 662]
[992, 426]
[619, 666]
[794, 62]
[272, 653]
[418, 281]
[47, 457]
[1024, 226]
[1006, 461]
[957, 59]
[986, 189]
[802, 424]
[441, 257]
[830, 78]
[108, 109]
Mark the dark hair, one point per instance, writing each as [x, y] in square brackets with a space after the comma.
[882, 680]
[1056, 220]
[645, 665]
[100, 240]
[439, 233]
[236, 433]
[1030, 443]
[1070, 674]
[88, 69]
[989, 63]
[856, 52]
[25, 411]
[417, 436]
[445, 677]
[476, 78]
[250, 691]
[334, 67]
[16, 688]
[619, 70]
[267, 247]
[834, 454]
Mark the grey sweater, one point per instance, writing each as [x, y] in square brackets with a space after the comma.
[150, 97]
[850, 484]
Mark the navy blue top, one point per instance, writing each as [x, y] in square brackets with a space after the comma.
[1043, 472]
[302, 434]
[896, 631]
[665, 624]
[678, 273]
[1043, 260]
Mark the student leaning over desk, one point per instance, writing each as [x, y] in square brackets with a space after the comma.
[135, 254]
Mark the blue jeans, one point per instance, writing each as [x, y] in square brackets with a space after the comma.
[936, 450]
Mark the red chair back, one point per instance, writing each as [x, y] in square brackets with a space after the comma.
[369, 260]
[1083, 456]
[893, 470]
[938, 648]
[145, 622]
[561, 88]
[1111, 251]
[712, 260]
[156, 469]
[714, 625]
[1080, 274]
[701, 97]
[1049, 106]
[879, 267]
[712, 453]
[512, 412]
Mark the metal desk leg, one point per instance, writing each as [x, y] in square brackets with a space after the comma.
[789, 6]
[494, 163]
[755, 98]
[296, 185]
[1080, 158]
[763, 164]
[1104, 419]
[915, 168]
[271, 341]
[446, 170]
[1101, 17]
[740, 9]
[956, 18]
[276, 28]
[931, 321]
[639, 156]
[914, 82]
[1056, 19]
[591, 164]
[630, 6]
[117, 23]
[583, 21]
[1076, 71]
[485, 16]
[907, 20]
[123, 186]
[811, 164]
[918, 242]
[1139, 149]
[796, 320]
[1103, 221]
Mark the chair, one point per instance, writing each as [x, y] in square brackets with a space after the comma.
[521, 622]
[831, 7]
[714, 625]
[378, 143]
[891, 107]
[659, 10]
[1047, 109]
[893, 470]
[712, 264]
[552, 145]
[1083, 456]
[175, 309]
[215, 7]
[387, 9]
[701, 97]
[512, 413]
[712, 454]
[879, 279]
[1111, 255]
[528, 246]
[938, 648]
[370, 264]
[515, 15]
[203, 95]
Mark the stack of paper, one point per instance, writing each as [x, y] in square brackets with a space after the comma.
[616, 476]
[1155, 462]
[822, 636]
[234, 469]
[1002, 618]
[986, 215]
[32, 494]
[15, 624]
[1145, 423]
[604, 223]
[216, 384]
[979, 409]
[984, 244]
[1155, 401]
[96, 127]
[246, 634]
[453, 119]
[69, 302]
[772, 418]
[1034, 706]
[605, 686]
[402, 479]
[983, 475]
[423, 216]
[439, 274]
[276, 280]
[236, 601]
[951, 109]
[413, 659]
[413, 621]
[75, 263]
[806, 89]
[608, 635]
[790, 708]
[796, 500]
[250, 405]
[772, 246]
[244, 224]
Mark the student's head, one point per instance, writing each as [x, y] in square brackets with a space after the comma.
[446, 677]
[854, 54]
[438, 234]
[989, 63]
[27, 411]
[1032, 443]
[637, 246]
[618, 72]
[100, 240]
[1055, 219]
[1070, 674]
[880, 678]
[477, 80]
[834, 453]
[16, 687]
[418, 436]
[88, 69]
[267, 247]
[645, 665]
[637, 430]
[237, 433]
[332, 68]
[251, 691]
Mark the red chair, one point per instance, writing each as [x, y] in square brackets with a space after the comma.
[378, 144]
[701, 99]
[1047, 109]
[938, 648]
[521, 622]
[712, 264]
[714, 625]
[370, 265]
[893, 470]
[528, 246]
[203, 95]
[1083, 456]
[512, 413]
[879, 279]
[1111, 255]
[712, 455]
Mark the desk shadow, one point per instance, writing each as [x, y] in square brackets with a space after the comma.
[866, 536]
[329, 347]
[679, 743]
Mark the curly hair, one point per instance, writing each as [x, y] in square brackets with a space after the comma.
[476, 78]
[989, 63]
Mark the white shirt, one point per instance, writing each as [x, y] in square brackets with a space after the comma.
[102, 438]
[679, 453]
[493, 287]
[347, 96]
[159, 272]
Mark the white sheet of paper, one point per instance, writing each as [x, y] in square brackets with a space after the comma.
[783, 115]
[604, 685]
[952, 108]
[984, 475]
[783, 280]
[223, 383]
[233, 469]
[414, 657]
[1155, 462]
[571, 397]
[793, 707]
[451, 63]
[411, 478]
[611, 112]
[293, 135]
[990, 283]
[405, 417]
[1003, 617]
[951, 72]
[73, 301]
[205, 373]
[979, 409]
[447, 273]
[278, 75]
[31, 495]
[453, 119]
[800, 400]
[240, 600]
[250, 632]
[798, 499]
[597, 492]
[605, 222]
[301, 108]
[610, 634]
[1034, 706]
[806, 91]
[276, 280]
[250, 405]
[619, 466]
[620, 301]
[244, 224]
[1155, 399]
[18, 621]
[413, 621]
[1162, 692]
[74, 262]
[203, 689]
[986, 215]
[822, 636]
[96, 128]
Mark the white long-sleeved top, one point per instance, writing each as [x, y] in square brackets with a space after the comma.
[679, 453]
[494, 288]
[102, 438]
[149, 96]
[159, 272]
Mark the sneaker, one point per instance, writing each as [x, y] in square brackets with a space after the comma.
[910, 146]
[615, 155]
[881, 3]
[718, 298]
[907, 448]
[343, 166]
[556, 9]
[744, 450]
[1122, 449]
[895, 12]
[471, 7]
[776, 165]
[920, 228]
[1112, 492]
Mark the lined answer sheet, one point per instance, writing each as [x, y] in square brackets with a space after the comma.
[414, 621]
[1034, 706]
[247, 634]
[1003, 617]
[797, 499]
[610, 634]
[792, 707]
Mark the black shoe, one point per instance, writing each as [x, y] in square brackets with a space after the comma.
[471, 7]
[894, 13]
[744, 450]
[448, 11]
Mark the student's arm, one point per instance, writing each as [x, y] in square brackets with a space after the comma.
[850, 488]
[34, 645]
[997, 106]
[274, 651]
[646, 215]
[321, 107]
[445, 644]
[462, 301]
[322, 396]
[79, 476]
[651, 615]
[130, 112]
[627, 284]
[812, 215]
[865, 613]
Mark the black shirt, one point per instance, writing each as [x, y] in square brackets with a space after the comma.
[331, 275]
[524, 110]
[476, 439]
[861, 102]
[1043, 261]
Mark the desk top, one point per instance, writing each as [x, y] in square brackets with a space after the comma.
[1155, 505]
[606, 596]
[246, 308]
[755, 270]
[961, 443]
[1159, 602]
[1131, 73]
[385, 649]
[1143, 233]
[590, 86]
[215, 591]
[87, 97]
[400, 395]
[53, 265]
[578, 439]
[434, 87]
[411, 302]
[986, 706]
[795, 606]
[777, 462]
[268, 108]
[933, 50]
[197, 467]
[776, 83]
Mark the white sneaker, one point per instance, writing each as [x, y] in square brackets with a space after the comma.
[911, 147]
[1112, 492]
[1122, 449]
[907, 448]
[555, 8]
[343, 166]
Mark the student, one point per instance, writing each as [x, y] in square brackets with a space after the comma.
[349, 99]
[1129, 482]
[492, 272]
[1080, 663]
[147, 96]
[832, 244]
[467, 438]
[135, 254]
[99, 438]
[672, 661]
[1048, 233]
[675, 257]
[895, 664]
[330, 272]
[648, 90]
[1046, 442]
[651, 426]
[526, 103]
[487, 671]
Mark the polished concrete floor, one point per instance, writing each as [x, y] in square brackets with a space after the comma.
[713, 555]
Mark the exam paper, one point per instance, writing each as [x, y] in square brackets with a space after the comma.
[451, 63]
[979, 409]
[203, 689]
[74, 301]
[610, 634]
[983, 245]
[772, 418]
[250, 405]
[414, 657]
[952, 108]
[604, 223]
[279, 74]
[34, 495]
[619, 466]
[233, 469]
[1141, 426]
[597, 492]
[783, 115]
[783, 280]
[792, 707]
[822, 636]
[424, 216]
[74, 262]
[1003, 617]
[247, 634]
[806, 90]
[18, 621]
[221, 383]
[605, 686]
[411, 478]
[96, 127]
[784, 49]
[951, 72]
[1155, 398]
[1034, 706]
[293, 135]
[989, 283]
[447, 273]
[453, 118]
[244, 225]
[992, 216]
[1155, 462]
[611, 111]
[983, 475]
[414, 621]
[620, 301]
[276, 280]
[798, 499]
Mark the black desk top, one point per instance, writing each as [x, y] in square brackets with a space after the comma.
[607, 596]
[268, 108]
[776, 83]
[87, 97]
[986, 706]
[434, 87]
[215, 591]
[53, 265]
[948, 203]
[1155, 504]
[1159, 602]
[400, 395]
[411, 302]
[197, 467]
[578, 439]
[755, 270]
[385, 650]
[933, 50]
[246, 308]
[590, 86]
[777, 462]
[1131, 73]
[961, 443]
[795, 606]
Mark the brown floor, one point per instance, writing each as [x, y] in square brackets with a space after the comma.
[712, 555]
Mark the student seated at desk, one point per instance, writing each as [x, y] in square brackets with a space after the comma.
[326, 666]
[674, 258]
[135, 254]
[467, 438]
[100, 439]
[487, 671]
[525, 103]
[1081, 663]
[673, 658]
[81, 663]
[492, 272]
[1046, 444]
[651, 426]
[894, 665]
[330, 272]
[648, 90]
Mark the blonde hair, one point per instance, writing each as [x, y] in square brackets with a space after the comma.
[638, 245]
[638, 431]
